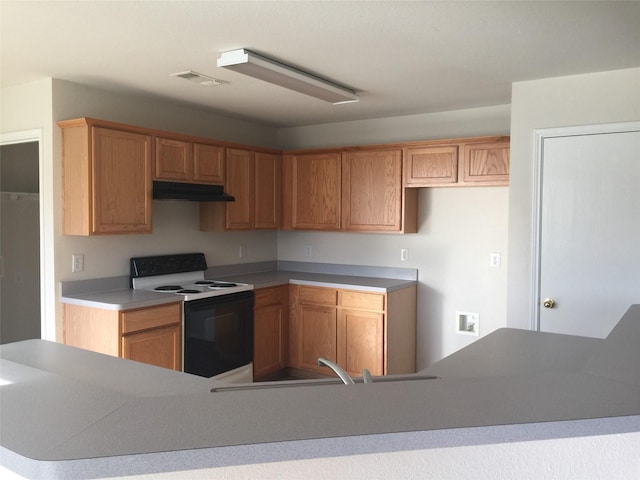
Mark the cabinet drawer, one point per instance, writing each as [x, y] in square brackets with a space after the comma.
[145, 318]
[317, 295]
[362, 301]
[270, 296]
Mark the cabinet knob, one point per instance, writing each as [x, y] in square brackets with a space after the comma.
[548, 302]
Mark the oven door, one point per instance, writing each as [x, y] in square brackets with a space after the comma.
[218, 333]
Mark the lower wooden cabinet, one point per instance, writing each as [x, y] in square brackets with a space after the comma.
[355, 329]
[270, 330]
[149, 335]
[158, 346]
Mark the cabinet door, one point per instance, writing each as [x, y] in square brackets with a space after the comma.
[208, 164]
[317, 330]
[428, 166]
[372, 190]
[121, 179]
[240, 183]
[486, 163]
[361, 342]
[174, 160]
[315, 191]
[267, 190]
[158, 346]
[271, 333]
[269, 349]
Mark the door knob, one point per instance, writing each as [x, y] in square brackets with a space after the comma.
[548, 303]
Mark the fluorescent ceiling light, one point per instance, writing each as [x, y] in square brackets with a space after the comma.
[257, 66]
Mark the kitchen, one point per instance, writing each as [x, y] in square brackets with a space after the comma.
[446, 215]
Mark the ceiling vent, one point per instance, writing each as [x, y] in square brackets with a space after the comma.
[199, 78]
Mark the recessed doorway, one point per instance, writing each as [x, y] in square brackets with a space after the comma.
[20, 295]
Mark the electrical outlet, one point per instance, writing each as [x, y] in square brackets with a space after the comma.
[404, 254]
[308, 251]
[77, 262]
[494, 260]
[242, 251]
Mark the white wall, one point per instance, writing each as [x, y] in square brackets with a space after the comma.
[595, 98]
[458, 229]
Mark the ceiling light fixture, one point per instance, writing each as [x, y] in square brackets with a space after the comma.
[257, 66]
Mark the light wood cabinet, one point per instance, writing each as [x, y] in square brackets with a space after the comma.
[486, 163]
[457, 162]
[254, 180]
[431, 165]
[271, 332]
[149, 335]
[312, 191]
[373, 199]
[361, 323]
[315, 327]
[359, 190]
[268, 190]
[355, 329]
[185, 161]
[106, 179]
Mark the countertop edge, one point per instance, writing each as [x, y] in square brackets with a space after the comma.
[216, 457]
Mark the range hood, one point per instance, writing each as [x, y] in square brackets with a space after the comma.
[194, 192]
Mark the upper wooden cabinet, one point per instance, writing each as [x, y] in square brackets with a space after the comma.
[457, 162]
[312, 191]
[185, 161]
[240, 183]
[431, 165]
[486, 163]
[268, 190]
[254, 180]
[355, 190]
[372, 193]
[106, 179]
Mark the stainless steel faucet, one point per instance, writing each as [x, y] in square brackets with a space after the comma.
[344, 376]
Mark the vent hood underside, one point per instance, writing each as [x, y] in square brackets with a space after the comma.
[194, 192]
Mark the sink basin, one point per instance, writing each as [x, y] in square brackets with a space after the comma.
[316, 382]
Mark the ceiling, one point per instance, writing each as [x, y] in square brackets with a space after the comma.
[401, 57]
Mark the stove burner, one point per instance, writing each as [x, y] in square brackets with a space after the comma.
[222, 285]
[187, 291]
[204, 282]
[168, 288]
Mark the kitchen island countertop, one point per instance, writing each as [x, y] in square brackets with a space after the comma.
[69, 413]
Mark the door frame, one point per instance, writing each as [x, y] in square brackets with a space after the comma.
[540, 136]
[47, 322]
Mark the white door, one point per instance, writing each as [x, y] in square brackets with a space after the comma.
[589, 231]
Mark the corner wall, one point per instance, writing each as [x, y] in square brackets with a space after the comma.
[596, 98]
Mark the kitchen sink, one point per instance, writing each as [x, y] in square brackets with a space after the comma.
[316, 382]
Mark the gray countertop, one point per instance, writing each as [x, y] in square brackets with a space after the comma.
[74, 413]
[118, 296]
